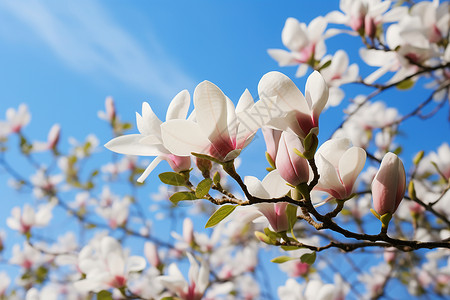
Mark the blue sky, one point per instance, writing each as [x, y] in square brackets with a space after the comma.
[63, 58]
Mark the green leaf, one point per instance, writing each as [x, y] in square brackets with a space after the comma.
[289, 248]
[104, 295]
[271, 234]
[219, 215]
[216, 178]
[405, 84]
[325, 65]
[172, 178]
[308, 258]
[180, 196]
[264, 238]
[203, 188]
[283, 259]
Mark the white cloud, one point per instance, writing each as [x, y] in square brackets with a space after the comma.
[86, 38]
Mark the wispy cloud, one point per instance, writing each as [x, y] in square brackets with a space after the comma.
[85, 37]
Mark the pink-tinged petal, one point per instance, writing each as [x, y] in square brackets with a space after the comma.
[179, 106]
[193, 269]
[178, 163]
[316, 94]
[293, 168]
[350, 165]
[148, 123]
[277, 86]
[115, 263]
[401, 184]
[130, 145]
[329, 181]
[294, 35]
[275, 185]
[272, 138]
[232, 121]
[283, 57]
[339, 63]
[149, 169]
[333, 150]
[255, 187]
[211, 110]
[135, 264]
[182, 137]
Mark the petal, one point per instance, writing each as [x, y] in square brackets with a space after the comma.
[317, 94]
[149, 123]
[275, 185]
[245, 102]
[350, 165]
[115, 264]
[336, 17]
[316, 28]
[211, 110]
[135, 264]
[333, 150]
[287, 96]
[130, 145]
[203, 278]
[149, 169]
[329, 181]
[294, 35]
[179, 106]
[182, 137]
[283, 57]
[255, 187]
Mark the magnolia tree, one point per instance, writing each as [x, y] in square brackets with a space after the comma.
[346, 217]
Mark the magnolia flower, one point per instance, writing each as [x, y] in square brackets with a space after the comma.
[218, 131]
[301, 113]
[432, 21]
[365, 16]
[441, 158]
[339, 165]
[52, 140]
[272, 139]
[18, 119]
[116, 213]
[24, 220]
[149, 141]
[293, 168]
[388, 187]
[107, 266]
[28, 258]
[314, 289]
[306, 44]
[338, 73]
[45, 184]
[110, 110]
[272, 186]
[198, 280]
[4, 283]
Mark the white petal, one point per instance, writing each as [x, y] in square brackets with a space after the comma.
[283, 57]
[135, 263]
[245, 102]
[149, 169]
[182, 137]
[316, 28]
[294, 35]
[333, 150]
[255, 187]
[179, 106]
[275, 185]
[336, 17]
[328, 176]
[287, 96]
[130, 144]
[351, 164]
[148, 123]
[316, 93]
[211, 110]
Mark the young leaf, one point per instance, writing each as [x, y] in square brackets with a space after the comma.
[308, 258]
[172, 178]
[180, 196]
[203, 188]
[283, 259]
[291, 212]
[219, 215]
[104, 295]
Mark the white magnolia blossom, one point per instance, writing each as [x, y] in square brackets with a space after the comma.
[17, 119]
[28, 257]
[149, 140]
[375, 279]
[45, 184]
[4, 283]
[218, 131]
[441, 158]
[116, 213]
[23, 219]
[339, 165]
[305, 42]
[106, 265]
[52, 140]
[198, 280]
[296, 113]
[313, 290]
[339, 72]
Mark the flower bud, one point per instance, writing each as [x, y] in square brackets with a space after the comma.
[389, 184]
[293, 168]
